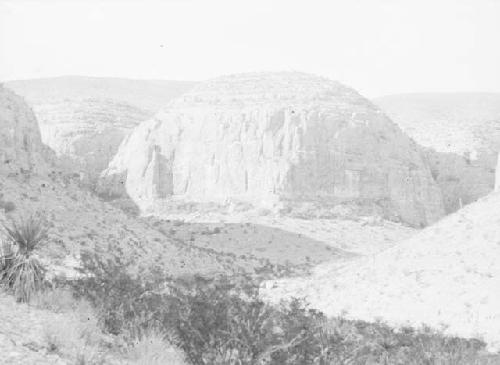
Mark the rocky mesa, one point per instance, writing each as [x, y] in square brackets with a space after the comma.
[276, 140]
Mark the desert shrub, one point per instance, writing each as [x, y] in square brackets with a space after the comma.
[21, 271]
[222, 320]
[152, 347]
[124, 302]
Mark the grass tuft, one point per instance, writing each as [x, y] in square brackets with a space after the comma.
[152, 347]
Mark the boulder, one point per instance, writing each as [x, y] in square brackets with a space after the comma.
[275, 140]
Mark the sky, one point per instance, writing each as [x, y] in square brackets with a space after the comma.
[379, 47]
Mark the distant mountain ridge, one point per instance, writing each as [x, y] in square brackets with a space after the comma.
[149, 95]
[446, 122]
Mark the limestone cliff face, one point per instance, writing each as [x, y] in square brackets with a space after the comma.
[84, 119]
[275, 139]
[21, 149]
[85, 134]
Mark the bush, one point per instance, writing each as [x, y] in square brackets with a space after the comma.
[153, 348]
[124, 302]
[222, 321]
[21, 270]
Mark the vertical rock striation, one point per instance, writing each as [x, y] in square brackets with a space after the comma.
[275, 140]
[21, 146]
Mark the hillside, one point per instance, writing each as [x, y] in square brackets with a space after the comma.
[283, 141]
[447, 276]
[460, 133]
[446, 122]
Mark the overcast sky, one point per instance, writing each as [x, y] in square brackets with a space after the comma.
[376, 46]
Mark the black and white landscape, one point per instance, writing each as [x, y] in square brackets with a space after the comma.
[249, 182]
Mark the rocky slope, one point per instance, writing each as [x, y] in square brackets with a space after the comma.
[85, 119]
[446, 276]
[30, 183]
[461, 134]
[276, 140]
[85, 134]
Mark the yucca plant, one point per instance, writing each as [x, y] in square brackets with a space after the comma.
[21, 271]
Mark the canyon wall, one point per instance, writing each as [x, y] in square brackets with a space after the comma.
[84, 119]
[275, 140]
[21, 149]
[85, 134]
[460, 134]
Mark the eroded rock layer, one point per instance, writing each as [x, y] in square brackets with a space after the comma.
[275, 139]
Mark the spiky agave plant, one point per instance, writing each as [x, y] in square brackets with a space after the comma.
[22, 272]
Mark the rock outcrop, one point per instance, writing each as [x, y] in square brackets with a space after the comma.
[460, 134]
[85, 134]
[30, 183]
[84, 119]
[275, 139]
[21, 149]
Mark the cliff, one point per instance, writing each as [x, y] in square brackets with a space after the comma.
[275, 140]
[84, 119]
[21, 149]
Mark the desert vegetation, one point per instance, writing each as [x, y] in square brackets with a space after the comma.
[20, 269]
[114, 311]
[222, 320]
